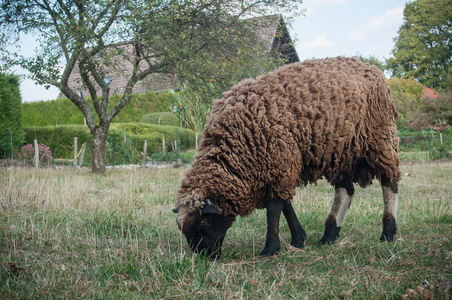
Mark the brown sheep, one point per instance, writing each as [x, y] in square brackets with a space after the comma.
[331, 118]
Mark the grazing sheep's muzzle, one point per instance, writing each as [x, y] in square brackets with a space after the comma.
[210, 250]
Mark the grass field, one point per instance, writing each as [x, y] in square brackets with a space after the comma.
[71, 234]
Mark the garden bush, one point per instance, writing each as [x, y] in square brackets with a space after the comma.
[27, 153]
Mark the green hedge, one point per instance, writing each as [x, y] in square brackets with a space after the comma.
[140, 132]
[64, 112]
[161, 118]
[64, 138]
[127, 150]
[11, 133]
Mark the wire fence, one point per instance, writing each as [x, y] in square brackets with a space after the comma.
[47, 150]
[123, 149]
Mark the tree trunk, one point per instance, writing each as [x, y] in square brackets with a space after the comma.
[98, 148]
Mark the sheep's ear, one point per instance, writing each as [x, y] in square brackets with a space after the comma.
[175, 210]
[210, 207]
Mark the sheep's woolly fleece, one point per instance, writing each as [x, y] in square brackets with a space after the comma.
[320, 118]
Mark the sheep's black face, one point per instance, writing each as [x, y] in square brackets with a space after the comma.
[207, 233]
[204, 229]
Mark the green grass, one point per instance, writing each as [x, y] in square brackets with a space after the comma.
[71, 234]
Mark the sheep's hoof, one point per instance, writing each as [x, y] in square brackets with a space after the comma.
[298, 244]
[389, 230]
[327, 240]
[270, 250]
[330, 235]
[386, 238]
[298, 239]
[268, 253]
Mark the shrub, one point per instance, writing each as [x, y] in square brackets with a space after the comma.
[191, 109]
[27, 152]
[11, 132]
[439, 111]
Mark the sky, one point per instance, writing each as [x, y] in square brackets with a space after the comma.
[328, 28]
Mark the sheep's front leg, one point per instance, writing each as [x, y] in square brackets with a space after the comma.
[390, 190]
[296, 230]
[272, 245]
[343, 194]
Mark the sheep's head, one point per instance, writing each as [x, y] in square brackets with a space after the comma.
[205, 228]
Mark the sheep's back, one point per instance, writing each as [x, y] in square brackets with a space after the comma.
[295, 125]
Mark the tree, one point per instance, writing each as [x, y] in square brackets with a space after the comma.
[408, 95]
[423, 48]
[154, 36]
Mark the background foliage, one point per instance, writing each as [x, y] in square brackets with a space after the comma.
[191, 109]
[161, 118]
[10, 114]
[64, 112]
[129, 139]
[408, 95]
[423, 47]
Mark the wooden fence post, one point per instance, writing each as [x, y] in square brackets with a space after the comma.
[75, 152]
[196, 143]
[80, 160]
[163, 144]
[36, 156]
[145, 154]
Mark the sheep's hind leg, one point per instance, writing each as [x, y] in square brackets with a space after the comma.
[272, 244]
[343, 194]
[390, 190]
[296, 230]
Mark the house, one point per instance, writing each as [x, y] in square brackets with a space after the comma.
[272, 31]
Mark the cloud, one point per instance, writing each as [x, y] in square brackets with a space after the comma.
[320, 42]
[388, 21]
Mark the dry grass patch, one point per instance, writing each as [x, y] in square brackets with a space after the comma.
[67, 234]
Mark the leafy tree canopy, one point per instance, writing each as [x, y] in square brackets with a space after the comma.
[423, 48]
[408, 95]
